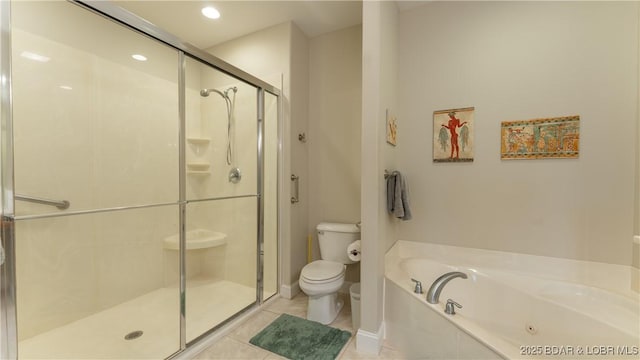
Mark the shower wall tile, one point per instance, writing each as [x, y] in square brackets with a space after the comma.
[72, 267]
[109, 139]
[51, 141]
[100, 130]
[112, 141]
[130, 254]
[207, 117]
[235, 261]
[55, 274]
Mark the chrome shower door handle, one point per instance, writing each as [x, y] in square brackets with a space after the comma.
[296, 180]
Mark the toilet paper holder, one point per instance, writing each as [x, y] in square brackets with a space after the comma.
[354, 252]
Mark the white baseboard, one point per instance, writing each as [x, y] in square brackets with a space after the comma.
[368, 342]
[289, 291]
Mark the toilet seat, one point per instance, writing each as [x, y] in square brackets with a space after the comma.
[322, 271]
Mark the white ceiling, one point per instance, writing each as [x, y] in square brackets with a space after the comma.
[240, 17]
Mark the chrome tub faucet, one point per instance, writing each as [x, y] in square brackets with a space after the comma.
[433, 295]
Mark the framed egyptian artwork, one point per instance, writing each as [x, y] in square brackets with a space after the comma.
[453, 135]
[549, 138]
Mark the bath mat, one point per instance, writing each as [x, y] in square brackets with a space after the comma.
[300, 339]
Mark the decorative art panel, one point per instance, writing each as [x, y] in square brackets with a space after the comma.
[541, 138]
[453, 135]
[392, 129]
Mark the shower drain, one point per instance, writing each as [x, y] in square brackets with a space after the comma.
[133, 335]
[531, 329]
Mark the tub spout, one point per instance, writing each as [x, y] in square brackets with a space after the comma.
[433, 295]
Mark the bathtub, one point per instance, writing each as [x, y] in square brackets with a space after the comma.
[515, 306]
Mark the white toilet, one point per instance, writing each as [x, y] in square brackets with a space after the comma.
[322, 279]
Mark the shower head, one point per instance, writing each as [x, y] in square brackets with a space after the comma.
[230, 102]
[206, 92]
[225, 94]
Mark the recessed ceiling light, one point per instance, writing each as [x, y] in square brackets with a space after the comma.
[65, 87]
[34, 56]
[139, 57]
[210, 12]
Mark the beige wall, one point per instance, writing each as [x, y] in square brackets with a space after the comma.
[497, 57]
[278, 56]
[333, 140]
[635, 261]
[325, 89]
[379, 92]
[299, 152]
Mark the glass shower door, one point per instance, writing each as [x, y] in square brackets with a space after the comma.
[222, 197]
[97, 127]
[145, 188]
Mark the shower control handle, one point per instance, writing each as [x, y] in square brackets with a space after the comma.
[235, 175]
[450, 308]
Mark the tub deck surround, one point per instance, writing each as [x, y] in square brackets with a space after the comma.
[511, 301]
[611, 277]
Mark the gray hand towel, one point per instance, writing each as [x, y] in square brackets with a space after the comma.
[397, 196]
[391, 192]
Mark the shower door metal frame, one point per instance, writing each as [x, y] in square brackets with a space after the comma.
[9, 338]
[260, 214]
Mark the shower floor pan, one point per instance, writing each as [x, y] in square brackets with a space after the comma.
[102, 335]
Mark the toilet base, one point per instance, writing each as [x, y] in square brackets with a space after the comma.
[324, 309]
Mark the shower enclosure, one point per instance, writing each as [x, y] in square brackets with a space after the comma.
[138, 213]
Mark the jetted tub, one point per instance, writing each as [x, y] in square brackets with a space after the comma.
[514, 306]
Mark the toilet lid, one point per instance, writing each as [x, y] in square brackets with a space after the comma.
[322, 270]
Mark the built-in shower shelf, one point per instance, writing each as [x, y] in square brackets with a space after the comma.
[198, 166]
[197, 239]
[198, 140]
[198, 172]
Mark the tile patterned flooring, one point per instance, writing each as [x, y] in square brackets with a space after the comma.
[236, 344]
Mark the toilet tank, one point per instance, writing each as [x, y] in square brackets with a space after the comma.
[334, 239]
